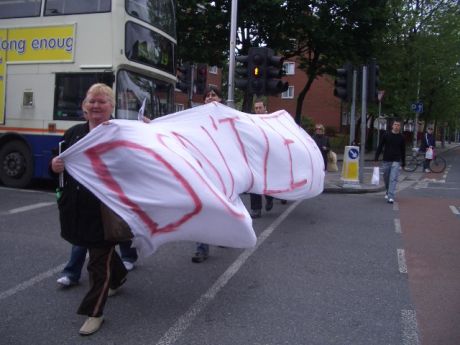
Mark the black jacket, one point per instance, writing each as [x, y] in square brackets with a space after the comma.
[79, 209]
[394, 148]
[427, 141]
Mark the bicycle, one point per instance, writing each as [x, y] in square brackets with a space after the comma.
[437, 164]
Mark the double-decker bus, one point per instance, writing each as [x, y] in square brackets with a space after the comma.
[51, 51]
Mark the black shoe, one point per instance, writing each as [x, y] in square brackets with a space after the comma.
[284, 202]
[256, 213]
[199, 257]
[269, 205]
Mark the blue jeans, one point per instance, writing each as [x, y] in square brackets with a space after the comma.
[78, 255]
[390, 177]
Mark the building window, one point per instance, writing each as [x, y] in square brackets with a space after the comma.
[213, 69]
[179, 107]
[289, 68]
[289, 93]
[70, 90]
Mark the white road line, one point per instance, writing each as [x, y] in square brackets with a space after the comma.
[397, 226]
[30, 207]
[402, 261]
[185, 320]
[454, 210]
[31, 282]
[409, 328]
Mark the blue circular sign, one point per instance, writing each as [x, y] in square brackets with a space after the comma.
[353, 153]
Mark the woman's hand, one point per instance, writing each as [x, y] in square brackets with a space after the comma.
[57, 165]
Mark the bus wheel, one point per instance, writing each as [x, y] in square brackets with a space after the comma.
[16, 165]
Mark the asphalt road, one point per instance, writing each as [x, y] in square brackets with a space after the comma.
[337, 269]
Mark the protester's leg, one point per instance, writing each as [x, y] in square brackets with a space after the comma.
[426, 164]
[201, 252]
[128, 254]
[393, 180]
[75, 265]
[106, 271]
[386, 174]
[268, 202]
[118, 271]
[256, 201]
[99, 269]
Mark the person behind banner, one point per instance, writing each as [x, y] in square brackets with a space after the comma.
[212, 94]
[81, 220]
[428, 143]
[256, 199]
[322, 141]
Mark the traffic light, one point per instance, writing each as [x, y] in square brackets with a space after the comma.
[373, 81]
[184, 77]
[257, 67]
[242, 73]
[344, 82]
[274, 71]
[201, 76]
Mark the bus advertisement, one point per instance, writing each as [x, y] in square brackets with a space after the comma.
[51, 51]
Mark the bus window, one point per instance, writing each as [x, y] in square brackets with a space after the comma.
[158, 13]
[20, 9]
[60, 7]
[71, 90]
[132, 89]
[149, 48]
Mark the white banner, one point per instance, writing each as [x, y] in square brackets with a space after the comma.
[180, 177]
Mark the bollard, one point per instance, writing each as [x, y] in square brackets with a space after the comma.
[350, 166]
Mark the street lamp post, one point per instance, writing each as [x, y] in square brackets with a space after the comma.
[231, 65]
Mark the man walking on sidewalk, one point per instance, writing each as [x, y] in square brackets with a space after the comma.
[394, 156]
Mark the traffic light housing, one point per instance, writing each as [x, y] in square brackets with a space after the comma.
[259, 72]
[242, 73]
[257, 67]
[373, 71]
[201, 78]
[344, 82]
[184, 77]
[274, 71]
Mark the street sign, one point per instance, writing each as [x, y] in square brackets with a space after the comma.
[417, 107]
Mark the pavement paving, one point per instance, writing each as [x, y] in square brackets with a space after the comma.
[334, 184]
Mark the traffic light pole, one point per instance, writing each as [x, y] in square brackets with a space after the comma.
[190, 89]
[363, 125]
[353, 109]
[231, 66]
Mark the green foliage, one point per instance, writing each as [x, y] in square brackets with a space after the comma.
[338, 142]
[307, 124]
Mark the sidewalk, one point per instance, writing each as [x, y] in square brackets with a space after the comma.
[333, 183]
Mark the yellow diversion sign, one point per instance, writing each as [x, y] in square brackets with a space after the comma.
[43, 44]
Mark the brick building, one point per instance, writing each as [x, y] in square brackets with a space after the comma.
[319, 104]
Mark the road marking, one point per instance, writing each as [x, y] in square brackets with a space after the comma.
[454, 210]
[402, 261]
[185, 320]
[30, 207]
[409, 328]
[31, 282]
[397, 226]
